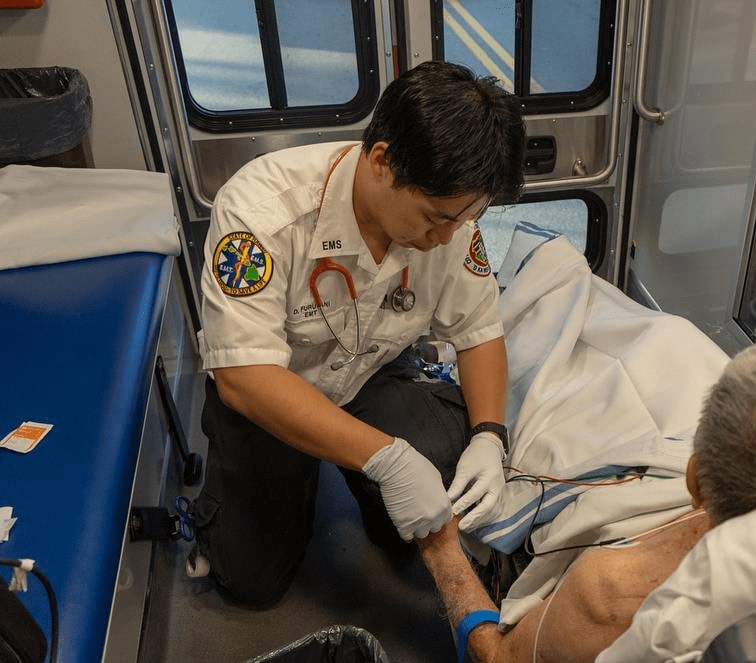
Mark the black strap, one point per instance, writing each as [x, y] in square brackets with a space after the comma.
[493, 427]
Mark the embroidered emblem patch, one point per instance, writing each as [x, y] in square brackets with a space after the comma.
[241, 265]
[476, 259]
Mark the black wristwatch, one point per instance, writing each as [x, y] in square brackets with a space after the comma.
[493, 427]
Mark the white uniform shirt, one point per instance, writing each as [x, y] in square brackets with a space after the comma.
[266, 237]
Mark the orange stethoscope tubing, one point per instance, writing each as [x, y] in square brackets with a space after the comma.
[401, 294]
[326, 264]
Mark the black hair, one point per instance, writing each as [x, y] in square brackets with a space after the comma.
[450, 133]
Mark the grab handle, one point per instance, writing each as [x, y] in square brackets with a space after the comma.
[641, 61]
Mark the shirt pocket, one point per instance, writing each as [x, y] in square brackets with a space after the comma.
[310, 339]
[395, 331]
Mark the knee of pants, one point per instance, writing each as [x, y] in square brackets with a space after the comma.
[247, 569]
[254, 554]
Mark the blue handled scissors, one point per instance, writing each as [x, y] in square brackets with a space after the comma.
[185, 519]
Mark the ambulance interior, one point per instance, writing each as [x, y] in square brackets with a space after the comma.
[641, 136]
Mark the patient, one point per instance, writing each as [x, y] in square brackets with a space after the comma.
[602, 590]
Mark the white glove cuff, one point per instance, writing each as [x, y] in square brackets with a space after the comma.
[489, 437]
[383, 460]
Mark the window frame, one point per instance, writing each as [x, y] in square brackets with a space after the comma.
[597, 230]
[743, 316]
[279, 116]
[549, 102]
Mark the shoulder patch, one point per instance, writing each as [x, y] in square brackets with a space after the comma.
[476, 259]
[241, 265]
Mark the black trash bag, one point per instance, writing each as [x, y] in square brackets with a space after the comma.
[44, 111]
[21, 638]
[332, 644]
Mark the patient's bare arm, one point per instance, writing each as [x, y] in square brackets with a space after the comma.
[593, 605]
[462, 593]
[569, 625]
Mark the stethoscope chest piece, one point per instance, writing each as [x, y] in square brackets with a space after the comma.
[402, 300]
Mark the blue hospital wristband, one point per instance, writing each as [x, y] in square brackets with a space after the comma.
[470, 622]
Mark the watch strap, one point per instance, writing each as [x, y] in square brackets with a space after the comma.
[493, 427]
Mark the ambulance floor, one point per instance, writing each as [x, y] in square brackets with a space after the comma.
[344, 579]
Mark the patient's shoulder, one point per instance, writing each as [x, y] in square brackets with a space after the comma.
[603, 589]
[623, 575]
[608, 585]
[592, 606]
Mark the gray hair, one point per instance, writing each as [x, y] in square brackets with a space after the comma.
[725, 440]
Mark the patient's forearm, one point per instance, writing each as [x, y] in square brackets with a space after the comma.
[463, 593]
[460, 588]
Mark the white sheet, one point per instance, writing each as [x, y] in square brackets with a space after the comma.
[50, 215]
[598, 383]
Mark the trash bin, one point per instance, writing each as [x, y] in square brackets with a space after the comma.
[45, 113]
[333, 644]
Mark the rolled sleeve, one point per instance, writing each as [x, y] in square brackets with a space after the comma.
[244, 326]
[467, 314]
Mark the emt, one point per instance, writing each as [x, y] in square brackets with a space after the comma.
[324, 264]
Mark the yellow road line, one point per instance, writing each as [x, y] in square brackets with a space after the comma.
[486, 36]
[477, 51]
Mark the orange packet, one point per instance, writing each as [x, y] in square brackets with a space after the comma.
[27, 436]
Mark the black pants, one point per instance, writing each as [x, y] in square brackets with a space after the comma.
[255, 512]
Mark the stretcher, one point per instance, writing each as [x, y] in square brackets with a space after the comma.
[78, 344]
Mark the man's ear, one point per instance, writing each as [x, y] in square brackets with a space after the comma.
[379, 165]
[691, 481]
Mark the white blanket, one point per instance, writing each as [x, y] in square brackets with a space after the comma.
[597, 384]
[50, 215]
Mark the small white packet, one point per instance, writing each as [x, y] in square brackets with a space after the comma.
[6, 522]
[27, 436]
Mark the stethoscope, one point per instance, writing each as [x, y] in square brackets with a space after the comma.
[401, 300]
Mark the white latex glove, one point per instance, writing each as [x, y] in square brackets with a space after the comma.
[479, 479]
[412, 489]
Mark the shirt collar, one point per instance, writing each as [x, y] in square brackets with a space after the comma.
[336, 231]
